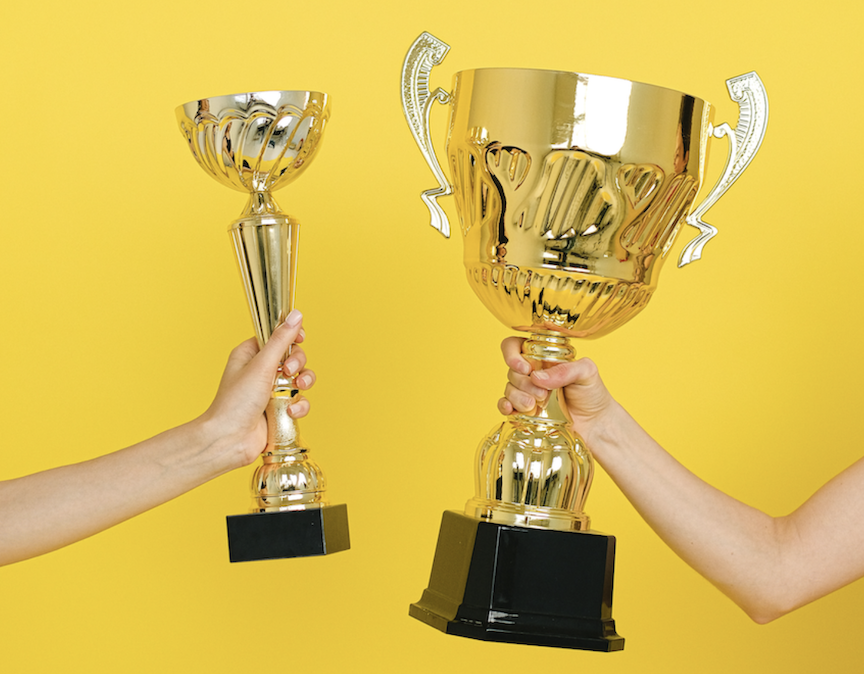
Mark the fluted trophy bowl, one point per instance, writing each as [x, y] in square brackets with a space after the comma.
[570, 189]
[255, 142]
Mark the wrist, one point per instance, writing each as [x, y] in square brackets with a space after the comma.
[218, 450]
[609, 432]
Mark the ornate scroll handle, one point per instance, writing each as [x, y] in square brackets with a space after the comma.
[426, 53]
[748, 91]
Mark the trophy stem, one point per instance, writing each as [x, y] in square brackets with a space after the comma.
[289, 517]
[287, 478]
[533, 470]
[544, 350]
[261, 203]
[266, 246]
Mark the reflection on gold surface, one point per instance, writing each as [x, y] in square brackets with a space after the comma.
[559, 236]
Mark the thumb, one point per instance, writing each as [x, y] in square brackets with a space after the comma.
[266, 361]
[582, 372]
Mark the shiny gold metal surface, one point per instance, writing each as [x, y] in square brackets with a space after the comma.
[532, 470]
[257, 143]
[570, 190]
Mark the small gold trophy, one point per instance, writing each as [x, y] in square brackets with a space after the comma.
[257, 143]
[570, 190]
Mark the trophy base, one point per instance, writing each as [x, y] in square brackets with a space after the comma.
[521, 585]
[288, 533]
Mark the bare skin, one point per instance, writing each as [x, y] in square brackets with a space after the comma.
[767, 565]
[107, 490]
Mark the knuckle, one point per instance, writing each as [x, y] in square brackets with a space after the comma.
[588, 367]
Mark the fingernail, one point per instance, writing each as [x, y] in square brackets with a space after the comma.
[524, 368]
[305, 380]
[540, 374]
[292, 366]
[293, 319]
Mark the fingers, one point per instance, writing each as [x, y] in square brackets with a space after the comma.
[511, 348]
[305, 380]
[298, 409]
[282, 338]
[519, 400]
[295, 362]
[527, 385]
[524, 392]
[582, 372]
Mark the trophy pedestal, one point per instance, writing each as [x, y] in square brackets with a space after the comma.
[289, 533]
[521, 585]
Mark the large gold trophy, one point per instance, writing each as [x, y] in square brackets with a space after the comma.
[257, 143]
[570, 190]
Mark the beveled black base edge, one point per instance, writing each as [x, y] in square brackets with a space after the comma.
[486, 632]
[510, 584]
[291, 533]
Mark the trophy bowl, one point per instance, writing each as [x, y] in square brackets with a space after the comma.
[255, 142]
[570, 190]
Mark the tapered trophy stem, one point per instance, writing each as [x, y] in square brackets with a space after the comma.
[290, 516]
[266, 246]
[533, 470]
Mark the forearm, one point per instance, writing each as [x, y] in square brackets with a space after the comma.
[741, 550]
[51, 509]
[767, 565]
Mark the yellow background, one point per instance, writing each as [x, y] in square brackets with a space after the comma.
[120, 302]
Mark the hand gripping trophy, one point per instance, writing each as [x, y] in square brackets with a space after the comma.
[570, 190]
[256, 143]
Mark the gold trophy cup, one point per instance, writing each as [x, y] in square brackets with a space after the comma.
[257, 143]
[570, 190]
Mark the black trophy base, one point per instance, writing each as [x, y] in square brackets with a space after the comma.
[526, 586]
[289, 533]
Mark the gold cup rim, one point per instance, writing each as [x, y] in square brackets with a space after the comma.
[574, 73]
[263, 94]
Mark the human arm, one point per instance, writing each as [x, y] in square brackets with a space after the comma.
[94, 495]
[767, 565]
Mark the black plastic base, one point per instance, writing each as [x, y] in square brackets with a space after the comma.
[519, 585]
[290, 533]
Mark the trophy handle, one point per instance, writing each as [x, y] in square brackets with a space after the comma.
[426, 53]
[744, 140]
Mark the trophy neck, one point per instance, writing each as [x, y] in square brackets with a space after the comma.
[261, 203]
[287, 479]
[533, 470]
[542, 350]
[544, 346]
